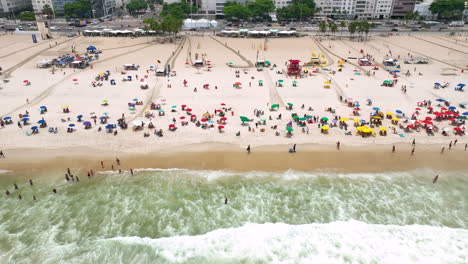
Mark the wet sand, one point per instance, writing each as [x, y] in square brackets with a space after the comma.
[213, 156]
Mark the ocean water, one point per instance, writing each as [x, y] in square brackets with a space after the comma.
[179, 216]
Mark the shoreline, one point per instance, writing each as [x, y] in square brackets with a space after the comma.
[216, 156]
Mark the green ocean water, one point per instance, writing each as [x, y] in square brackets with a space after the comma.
[179, 216]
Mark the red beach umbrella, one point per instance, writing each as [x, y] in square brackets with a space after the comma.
[223, 104]
[417, 109]
[430, 108]
[25, 81]
[193, 116]
[75, 80]
[183, 106]
[171, 125]
[182, 117]
[220, 127]
[188, 109]
[223, 118]
[204, 120]
[443, 108]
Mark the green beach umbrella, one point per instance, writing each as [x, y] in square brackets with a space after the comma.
[295, 117]
[280, 81]
[244, 119]
[131, 108]
[290, 129]
[461, 117]
[104, 101]
[173, 106]
[290, 104]
[230, 63]
[267, 62]
[303, 119]
[325, 118]
[274, 106]
[294, 81]
[263, 119]
[260, 80]
[386, 81]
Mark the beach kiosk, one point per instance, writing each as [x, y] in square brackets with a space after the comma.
[198, 63]
[364, 62]
[130, 67]
[389, 62]
[294, 68]
[260, 64]
[314, 60]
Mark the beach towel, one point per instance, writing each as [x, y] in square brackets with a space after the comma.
[401, 135]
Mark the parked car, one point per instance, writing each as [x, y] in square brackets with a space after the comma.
[394, 29]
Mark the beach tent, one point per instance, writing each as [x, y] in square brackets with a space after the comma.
[44, 63]
[200, 23]
[214, 23]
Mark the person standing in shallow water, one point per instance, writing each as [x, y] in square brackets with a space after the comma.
[248, 149]
[226, 201]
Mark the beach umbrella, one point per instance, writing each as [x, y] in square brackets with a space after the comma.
[325, 118]
[452, 108]
[363, 121]
[389, 113]
[357, 109]
[230, 63]
[395, 119]
[75, 80]
[110, 126]
[42, 107]
[334, 121]
[204, 120]
[244, 119]
[376, 109]
[417, 109]
[24, 119]
[105, 101]
[383, 128]
[79, 116]
[160, 110]
[223, 104]
[294, 81]
[325, 127]
[193, 116]
[436, 83]
[462, 117]
[102, 117]
[71, 125]
[171, 125]
[131, 108]
[302, 119]
[290, 129]
[295, 117]
[290, 104]
[210, 121]
[443, 108]
[183, 106]
[188, 109]
[41, 121]
[356, 120]
[357, 105]
[6, 118]
[137, 123]
[182, 117]
[344, 119]
[440, 100]
[25, 115]
[105, 113]
[237, 83]
[174, 106]
[466, 113]
[223, 118]
[398, 111]
[135, 99]
[280, 81]
[34, 128]
[87, 123]
[25, 81]
[274, 106]
[461, 84]
[220, 127]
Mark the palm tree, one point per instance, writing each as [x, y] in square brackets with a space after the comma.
[333, 27]
[352, 27]
[323, 27]
[342, 26]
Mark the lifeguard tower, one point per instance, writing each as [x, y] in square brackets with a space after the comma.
[294, 68]
[43, 26]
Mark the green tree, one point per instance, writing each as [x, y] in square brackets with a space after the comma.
[261, 9]
[136, 6]
[352, 28]
[448, 9]
[342, 26]
[46, 9]
[411, 16]
[235, 11]
[178, 10]
[151, 24]
[333, 27]
[295, 11]
[78, 9]
[323, 27]
[27, 16]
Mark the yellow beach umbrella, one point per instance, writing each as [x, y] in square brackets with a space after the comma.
[360, 128]
[325, 128]
[326, 82]
[356, 120]
[324, 65]
[65, 106]
[389, 113]
[383, 128]
[376, 117]
[344, 119]
[395, 119]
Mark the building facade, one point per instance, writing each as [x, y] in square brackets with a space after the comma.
[355, 9]
[59, 4]
[402, 7]
[38, 5]
[10, 6]
[423, 9]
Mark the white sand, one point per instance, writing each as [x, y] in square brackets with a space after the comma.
[55, 90]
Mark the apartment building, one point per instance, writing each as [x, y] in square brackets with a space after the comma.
[38, 5]
[9, 6]
[402, 7]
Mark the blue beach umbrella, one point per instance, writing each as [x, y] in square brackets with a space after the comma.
[41, 121]
[461, 84]
[396, 71]
[452, 108]
[105, 113]
[6, 118]
[80, 116]
[34, 128]
[399, 112]
[363, 121]
[466, 113]
[376, 108]
[440, 100]
[436, 83]
[25, 119]
[135, 100]
[109, 126]
[71, 125]
[357, 105]
[43, 107]
[25, 115]
[210, 121]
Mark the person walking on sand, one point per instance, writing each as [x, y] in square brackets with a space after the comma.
[435, 179]
[248, 149]
[412, 151]
[450, 145]
[131, 172]
[393, 149]
[338, 145]
[466, 146]
[414, 142]
[455, 142]
[118, 161]
[442, 151]
[1, 154]
[31, 182]
[102, 164]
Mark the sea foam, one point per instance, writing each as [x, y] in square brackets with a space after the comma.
[336, 242]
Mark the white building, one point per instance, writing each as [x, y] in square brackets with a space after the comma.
[361, 9]
[8, 6]
[38, 5]
[423, 8]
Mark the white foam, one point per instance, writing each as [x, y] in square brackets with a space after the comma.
[5, 171]
[336, 242]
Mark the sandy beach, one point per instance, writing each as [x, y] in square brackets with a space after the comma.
[223, 57]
